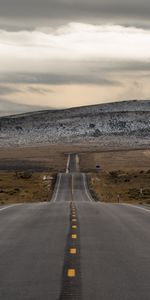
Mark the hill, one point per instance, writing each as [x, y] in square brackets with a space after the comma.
[128, 121]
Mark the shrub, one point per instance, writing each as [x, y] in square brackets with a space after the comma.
[113, 174]
[92, 125]
[23, 175]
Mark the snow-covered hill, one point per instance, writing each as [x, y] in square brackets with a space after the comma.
[127, 119]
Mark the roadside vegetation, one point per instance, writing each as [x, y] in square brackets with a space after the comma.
[25, 186]
[121, 186]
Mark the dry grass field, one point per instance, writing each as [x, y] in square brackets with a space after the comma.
[122, 172]
[16, 187]
[128, 160]
[119, 186]
[38, 158]
[124, 176]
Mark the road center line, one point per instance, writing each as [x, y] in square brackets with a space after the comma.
[71, 273]
[71, 276]
[72, 184]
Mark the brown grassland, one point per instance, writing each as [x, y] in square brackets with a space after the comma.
[124, 176]
[25, 187]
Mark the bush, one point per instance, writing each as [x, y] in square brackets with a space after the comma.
[114, 174]
[92, 125]
[97, 133]
[23, 175]
[134, 193]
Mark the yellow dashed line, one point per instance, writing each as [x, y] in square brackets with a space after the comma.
[73, 251]
[74, 236]
[74, 220]
[74, 226]
[71, 273]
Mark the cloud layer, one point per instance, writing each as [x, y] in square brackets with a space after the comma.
[72, 42]
[70, 53]
[58, 12]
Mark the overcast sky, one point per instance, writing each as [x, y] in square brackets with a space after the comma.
[64, 53]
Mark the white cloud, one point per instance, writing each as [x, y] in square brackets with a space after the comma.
[37, 50]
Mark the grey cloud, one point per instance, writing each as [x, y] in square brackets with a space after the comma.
[99, 73]
[39, 90]
[132, 66]
[55, 79]
[6, 90]
[56, 12]
[8, 107]
[119, 66]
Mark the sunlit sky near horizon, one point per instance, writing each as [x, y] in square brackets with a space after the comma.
[63, 53]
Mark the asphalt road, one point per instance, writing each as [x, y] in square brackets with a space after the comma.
[72, 163]
[112, 242]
